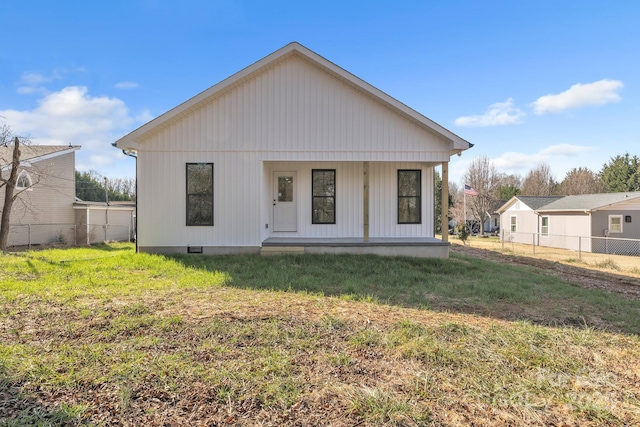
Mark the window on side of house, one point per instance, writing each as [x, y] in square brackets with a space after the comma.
[323, 196]
[514, 224]
[199, 194]
[24, 181]
[615, 223]
[544, 226]
[409, 196]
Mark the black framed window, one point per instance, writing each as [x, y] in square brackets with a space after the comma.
[323, 199]
[409, 196]
[199, 193]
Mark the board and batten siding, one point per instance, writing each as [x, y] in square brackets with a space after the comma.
[292, 117]
[296, 111]
[162, 200]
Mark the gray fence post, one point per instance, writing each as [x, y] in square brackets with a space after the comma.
[579, 247]
[502, 232]
[533, 238]
[29, 234]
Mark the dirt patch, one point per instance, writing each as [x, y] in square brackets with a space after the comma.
[611, 282]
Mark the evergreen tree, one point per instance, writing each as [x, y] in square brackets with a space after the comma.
[622, 173]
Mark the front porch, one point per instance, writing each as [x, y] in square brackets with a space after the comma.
[421, 247]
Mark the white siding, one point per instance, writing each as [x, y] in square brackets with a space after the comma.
[162, 200]
[295, 111]
[526, 223]
[292, 117]
[568, 231]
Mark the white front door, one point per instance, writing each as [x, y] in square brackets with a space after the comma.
[285, 202]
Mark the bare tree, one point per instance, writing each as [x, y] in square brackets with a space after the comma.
[539, 182]
[483, 177]
[8, 180]
[580, 181]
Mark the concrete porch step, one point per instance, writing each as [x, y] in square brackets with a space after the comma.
[281, 250]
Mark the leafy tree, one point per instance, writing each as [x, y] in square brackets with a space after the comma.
[621, 173]
[539, 182]
[580, 181]
[91, 186]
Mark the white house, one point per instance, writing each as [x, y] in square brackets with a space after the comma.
[518, 219]
[291, 153]
[605, 223]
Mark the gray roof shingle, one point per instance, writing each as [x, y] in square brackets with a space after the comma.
[587, 202]
[29, 152]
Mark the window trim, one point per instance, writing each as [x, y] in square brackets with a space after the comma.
[314, 197]
[542, 226]
[208, 224]
[418, 197]
[621, 218]
[25, 174]
[513, 225]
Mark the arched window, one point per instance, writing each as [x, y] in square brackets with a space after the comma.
[24, 181]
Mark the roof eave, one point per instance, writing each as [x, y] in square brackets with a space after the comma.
[131, 140]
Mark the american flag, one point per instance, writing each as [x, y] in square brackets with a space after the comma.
[469, 190]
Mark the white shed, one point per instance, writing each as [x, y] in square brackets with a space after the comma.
[291, 153]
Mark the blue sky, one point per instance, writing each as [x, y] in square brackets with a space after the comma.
[524, 81]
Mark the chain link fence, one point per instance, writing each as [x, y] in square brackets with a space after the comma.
[539, 243]
[66, 235]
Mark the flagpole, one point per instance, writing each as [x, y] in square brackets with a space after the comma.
[464, 208]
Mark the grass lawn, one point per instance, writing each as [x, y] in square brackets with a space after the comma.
[104, 336]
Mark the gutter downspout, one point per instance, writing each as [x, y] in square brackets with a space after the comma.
[130, 153]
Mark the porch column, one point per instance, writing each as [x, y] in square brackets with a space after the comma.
[445, 201]
[365, 201]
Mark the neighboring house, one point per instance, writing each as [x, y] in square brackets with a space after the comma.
[492, 222]
[518, 220]
[291, 153]
[43, 211]
[592, 217]
[46, 210]
[589, 222]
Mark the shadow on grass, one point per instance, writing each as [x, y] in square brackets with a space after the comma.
[21, 408]
[459, 284]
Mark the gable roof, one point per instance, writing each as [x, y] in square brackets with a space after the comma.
[534, 202]
[588, 202]
[34, 153]
[129, 142]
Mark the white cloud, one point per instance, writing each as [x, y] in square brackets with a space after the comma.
[73, 116]
[126, 85]
[498, 114]
[580, 95]
[565, 150]
[32, 83]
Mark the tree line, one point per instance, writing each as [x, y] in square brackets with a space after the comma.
[93, 187]
[621, 173]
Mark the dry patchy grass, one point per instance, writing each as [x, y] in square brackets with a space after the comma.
[187, 349]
